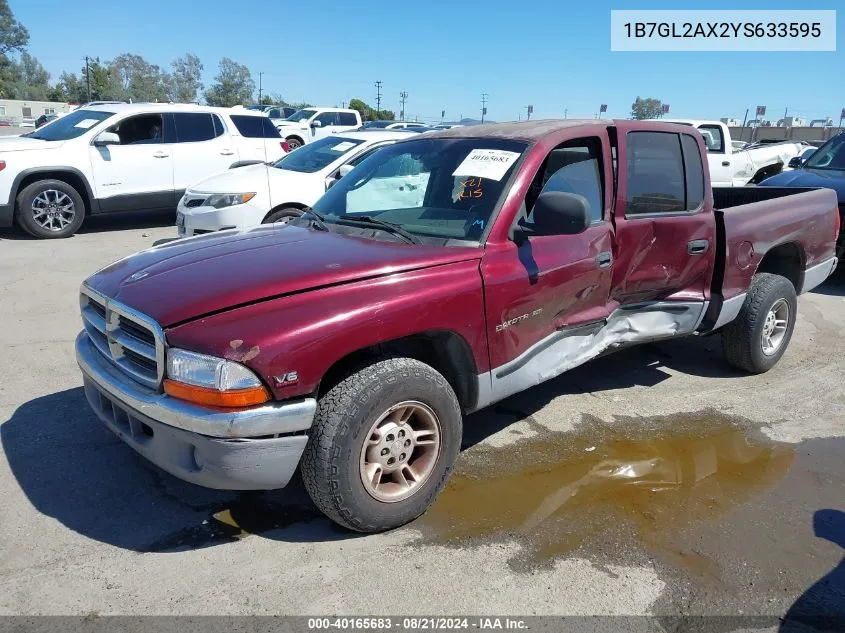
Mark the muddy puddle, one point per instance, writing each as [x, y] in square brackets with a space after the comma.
[635, 484]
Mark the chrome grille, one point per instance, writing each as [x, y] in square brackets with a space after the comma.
[129, 339]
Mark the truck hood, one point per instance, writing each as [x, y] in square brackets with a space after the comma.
[22, 143]
[195, 277]
[829, 178]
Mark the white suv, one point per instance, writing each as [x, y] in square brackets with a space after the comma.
[121, 157]
[310, 124]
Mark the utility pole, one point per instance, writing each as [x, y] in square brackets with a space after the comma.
[260, 75]
[378, 98]
[742, 131]
[564, 112]
[88, 77]
[484, 97]
[530, 109]
[403, 97]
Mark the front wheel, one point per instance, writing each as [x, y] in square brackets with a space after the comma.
[383, 444]
[50, 209]
[282, 216]
[293, 143]
[760, 334]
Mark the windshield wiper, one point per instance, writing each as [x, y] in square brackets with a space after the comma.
[318, 220]
[390, 227]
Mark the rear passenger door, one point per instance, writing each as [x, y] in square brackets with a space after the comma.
[202, 148]
[256, 138]
[665, 228]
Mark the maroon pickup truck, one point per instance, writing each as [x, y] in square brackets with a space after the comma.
[442, 274]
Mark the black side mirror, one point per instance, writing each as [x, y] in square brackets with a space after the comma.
[557, 213]
[795, 162]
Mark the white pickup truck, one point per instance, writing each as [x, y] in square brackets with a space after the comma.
[730, 167]
[310, 124]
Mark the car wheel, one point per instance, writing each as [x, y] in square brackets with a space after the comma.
[282, 216]
[293, 143]
[50, 209]
[383, 444]
[760, 334]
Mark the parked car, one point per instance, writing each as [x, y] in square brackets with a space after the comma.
[310, 124]
[730, 167]
[390, 125]
[443, 274]
[276, 192]
[824, 167]
[120, 157]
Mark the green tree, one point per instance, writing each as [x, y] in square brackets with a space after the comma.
[370, 114]
[34, 80]
[139, 80]
[646, 109]
[185, 81]
[233, 85]
[105, 82]
[13, 34]
[267, 100]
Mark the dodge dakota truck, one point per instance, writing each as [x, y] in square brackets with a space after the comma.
[442, 274]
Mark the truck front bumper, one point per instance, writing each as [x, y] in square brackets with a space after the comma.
[167, 431]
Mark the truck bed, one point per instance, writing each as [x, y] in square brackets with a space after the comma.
[752, 221]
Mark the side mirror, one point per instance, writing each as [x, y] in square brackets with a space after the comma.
[795, 162]
[344, 169]
[557, 213]
[316, 123]
[107, 138]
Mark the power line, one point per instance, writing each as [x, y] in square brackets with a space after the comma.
[378, 98]
[484, 97]
[403, 97]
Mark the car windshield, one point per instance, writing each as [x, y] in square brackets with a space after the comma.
[831, 155]
[317, 155]
[70, 126]
[377, 124]
[301, 115]
[434, 187]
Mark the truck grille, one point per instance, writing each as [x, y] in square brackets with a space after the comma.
[130, 340]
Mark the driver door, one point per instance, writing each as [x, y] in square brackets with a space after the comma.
[328, 123]
[546, 296]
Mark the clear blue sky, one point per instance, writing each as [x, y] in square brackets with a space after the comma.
[553, 54]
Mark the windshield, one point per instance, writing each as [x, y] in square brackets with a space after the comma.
[317, 155]
[70, 126]
[831, 155]
[301, 115]
[445, 188]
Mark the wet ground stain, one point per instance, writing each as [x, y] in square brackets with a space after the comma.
[635, 484]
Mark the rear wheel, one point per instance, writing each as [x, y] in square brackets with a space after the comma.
[282, 216]
[760, 334]
[293, 143]
[383, 444]
[50, 209]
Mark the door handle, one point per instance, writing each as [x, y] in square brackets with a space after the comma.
[603, 260]
[726, 163]
[698, 247]
[226, 152]
[161, 155]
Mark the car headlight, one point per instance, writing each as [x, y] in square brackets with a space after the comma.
[221, 200]
[212, 381]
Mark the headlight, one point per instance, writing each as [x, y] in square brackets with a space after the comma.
[212, 381]
[220, 200]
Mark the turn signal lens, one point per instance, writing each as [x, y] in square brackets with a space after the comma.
[285, 146]
[213, 398]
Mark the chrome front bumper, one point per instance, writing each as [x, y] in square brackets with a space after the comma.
[235, 450]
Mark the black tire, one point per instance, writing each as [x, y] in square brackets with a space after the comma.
[345, 415]
[294, 143]
[283, 215]
[50, 190]
[743, 338]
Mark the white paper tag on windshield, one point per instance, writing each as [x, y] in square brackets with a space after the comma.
[86, 123]
[343, 147]
[486, 163]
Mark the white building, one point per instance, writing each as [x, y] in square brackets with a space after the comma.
[19, 112]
